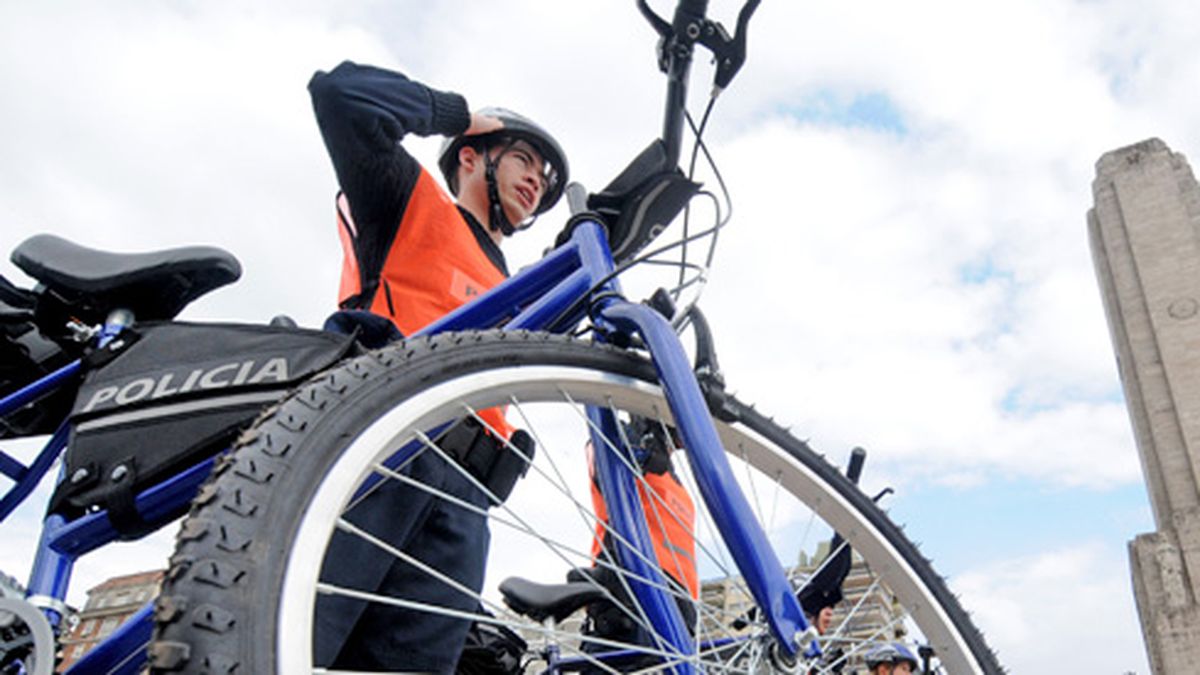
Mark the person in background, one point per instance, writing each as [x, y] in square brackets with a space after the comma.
[891, 659]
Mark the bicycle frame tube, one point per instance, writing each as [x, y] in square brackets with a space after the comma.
[619, 487]
[572, 664]
[158, 504]
[27, 478]
[734, 518]
[539, 293]
[35, 390]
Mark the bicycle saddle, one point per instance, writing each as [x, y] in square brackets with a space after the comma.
[538, 601]
[154, 285]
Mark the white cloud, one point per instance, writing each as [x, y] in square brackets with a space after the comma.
[869, 330]
[1067, 610]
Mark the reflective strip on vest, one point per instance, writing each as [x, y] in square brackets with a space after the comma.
[351, 282]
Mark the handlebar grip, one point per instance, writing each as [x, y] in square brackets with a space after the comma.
[693, 7]
[576, 197]
[745, 14]
[854, 470]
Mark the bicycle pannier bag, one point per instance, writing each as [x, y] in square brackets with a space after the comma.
[491, 649]
[25, 356]
[164, 396]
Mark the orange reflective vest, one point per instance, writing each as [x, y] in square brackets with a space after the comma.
[433, 266]
[670, 519]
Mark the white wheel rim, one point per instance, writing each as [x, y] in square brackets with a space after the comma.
[534, 383]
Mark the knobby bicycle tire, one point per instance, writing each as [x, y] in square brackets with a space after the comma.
[239, 593]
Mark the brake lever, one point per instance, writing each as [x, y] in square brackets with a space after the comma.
[659, 24]
[665, 33]
[730, 53]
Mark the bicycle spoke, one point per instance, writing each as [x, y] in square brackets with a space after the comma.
[621, 574]
[758, 510]
[775, 500]
[516, 525]
[586, 514]
[331, 589]
[524, 527]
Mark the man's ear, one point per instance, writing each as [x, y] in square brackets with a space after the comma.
[468, 158]
[468, 163]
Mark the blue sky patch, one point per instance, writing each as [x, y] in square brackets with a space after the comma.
[983, 270]
[1022, 518]
[1020, 401]
[872, 110]
[1017, 401]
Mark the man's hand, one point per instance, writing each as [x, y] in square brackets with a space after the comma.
[483, 124]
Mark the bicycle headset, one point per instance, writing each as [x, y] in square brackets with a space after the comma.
[516, 128]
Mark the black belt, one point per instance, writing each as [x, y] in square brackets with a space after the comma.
[497, 464]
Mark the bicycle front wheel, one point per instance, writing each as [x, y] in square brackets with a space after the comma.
[251, 570]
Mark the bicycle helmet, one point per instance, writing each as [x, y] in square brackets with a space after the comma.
[516, 127]
[894, 654]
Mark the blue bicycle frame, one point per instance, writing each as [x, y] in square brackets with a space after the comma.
[531, 299]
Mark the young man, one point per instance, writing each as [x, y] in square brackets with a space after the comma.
[891, 659]
[412, 253]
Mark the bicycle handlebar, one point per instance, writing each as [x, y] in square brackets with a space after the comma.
[677, 41]
[644, 197]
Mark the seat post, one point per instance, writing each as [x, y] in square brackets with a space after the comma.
[552, 649]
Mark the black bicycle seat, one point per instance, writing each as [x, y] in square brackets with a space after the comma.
[154, 285]
[538, 601]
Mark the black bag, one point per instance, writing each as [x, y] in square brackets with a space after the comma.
[491, 649]
[164, 396]
[25, 356]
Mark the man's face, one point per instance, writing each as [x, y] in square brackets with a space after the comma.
[902, 669]
[520, 179]
[824, 619]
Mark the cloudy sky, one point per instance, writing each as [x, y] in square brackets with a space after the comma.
[907, 269]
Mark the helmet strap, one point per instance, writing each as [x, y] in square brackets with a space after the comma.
[497, 219]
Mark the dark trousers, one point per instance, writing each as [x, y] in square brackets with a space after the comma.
[354, 634]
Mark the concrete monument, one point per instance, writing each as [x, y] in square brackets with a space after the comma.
[1145, 239]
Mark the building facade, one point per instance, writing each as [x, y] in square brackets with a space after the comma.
[108, 606]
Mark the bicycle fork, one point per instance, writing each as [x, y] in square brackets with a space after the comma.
[732, 514]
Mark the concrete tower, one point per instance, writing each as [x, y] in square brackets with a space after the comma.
[1145, 239]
